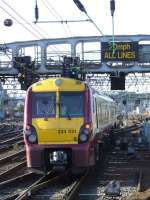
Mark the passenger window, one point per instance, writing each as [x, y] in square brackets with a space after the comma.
[93, 105]
[96, 113]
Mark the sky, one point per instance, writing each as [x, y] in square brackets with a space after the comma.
[130, 18]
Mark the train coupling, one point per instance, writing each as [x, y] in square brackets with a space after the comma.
[58, 158]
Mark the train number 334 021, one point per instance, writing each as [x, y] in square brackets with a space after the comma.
[61, 131]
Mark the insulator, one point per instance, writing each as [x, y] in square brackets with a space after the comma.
[112, 7]
[36, 12]
[80, 5]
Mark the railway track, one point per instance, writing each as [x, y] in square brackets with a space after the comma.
[60, 186]
[12, 153]
[130, 170]
[11, 164]
[10, 134]
[12, 188]
[34, 186]
[122, 171]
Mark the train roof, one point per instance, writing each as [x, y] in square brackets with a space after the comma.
[106, 98]
[102, 96]
[61, 83]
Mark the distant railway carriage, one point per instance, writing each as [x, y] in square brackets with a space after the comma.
[65, 122]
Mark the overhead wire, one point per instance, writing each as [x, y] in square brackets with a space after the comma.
[82, 9]
[35, 35]
[64, 21]
[19, 22]
[53, 11]
[91, 20]
[35, 29]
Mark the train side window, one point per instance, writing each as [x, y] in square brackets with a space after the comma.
[99, 112]
[101, 115]
[93, 105]
[96, 112]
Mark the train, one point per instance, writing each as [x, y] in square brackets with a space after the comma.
[66, 124]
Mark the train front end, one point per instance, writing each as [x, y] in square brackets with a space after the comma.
[57, 124]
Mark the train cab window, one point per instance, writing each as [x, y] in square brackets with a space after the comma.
[44, 104]
[71, 104]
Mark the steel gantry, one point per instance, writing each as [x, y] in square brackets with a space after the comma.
[94, 55]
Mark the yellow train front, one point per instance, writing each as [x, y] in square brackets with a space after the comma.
[61, 124]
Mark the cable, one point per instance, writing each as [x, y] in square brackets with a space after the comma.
[22, 18]
[65, 21]
[53, 48]
[82, 9]
[37, 15]
[19, 22]
[51, 10]
[95, 24]
[29, 23]
[60, 18]
[56, 15]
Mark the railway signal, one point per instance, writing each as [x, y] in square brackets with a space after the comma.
[27, 73]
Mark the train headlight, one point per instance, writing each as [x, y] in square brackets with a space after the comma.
[83, 135]
[30, 134]
[32, 138]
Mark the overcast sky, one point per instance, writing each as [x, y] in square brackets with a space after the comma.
[131, 17]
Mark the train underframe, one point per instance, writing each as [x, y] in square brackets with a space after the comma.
[60, 157]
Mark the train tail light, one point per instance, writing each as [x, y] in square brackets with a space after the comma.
[84, 133]
[30, 134]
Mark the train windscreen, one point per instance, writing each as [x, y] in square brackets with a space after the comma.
[71, 104]
[44, 104]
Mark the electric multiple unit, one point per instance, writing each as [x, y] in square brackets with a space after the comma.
[65, 123]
